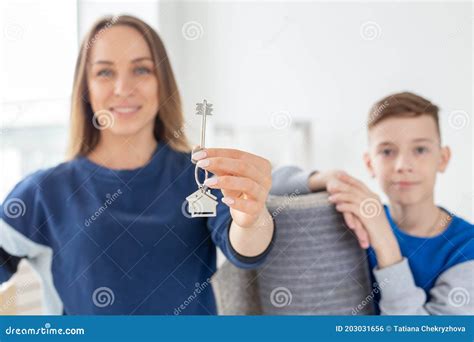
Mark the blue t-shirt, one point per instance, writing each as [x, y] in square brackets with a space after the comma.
[120, 237]
[428, 257]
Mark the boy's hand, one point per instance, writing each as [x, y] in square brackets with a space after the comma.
[352, 196]
[326, 180]
[318, 181]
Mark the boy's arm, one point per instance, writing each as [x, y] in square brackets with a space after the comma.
[452, 294]
[290, 179]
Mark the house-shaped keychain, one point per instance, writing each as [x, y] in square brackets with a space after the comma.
[202, 203]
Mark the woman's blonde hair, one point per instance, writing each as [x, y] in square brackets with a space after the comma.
[169, 122]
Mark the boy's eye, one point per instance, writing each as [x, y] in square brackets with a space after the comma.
[421, 150]
[104, 73]
[386, 152]
[142, 71]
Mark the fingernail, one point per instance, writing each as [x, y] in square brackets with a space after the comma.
[199, 155]
[330, 198]
[203, 163]
[228, 200]
[211, 181]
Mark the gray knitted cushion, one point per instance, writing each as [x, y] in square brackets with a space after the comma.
[315, 267]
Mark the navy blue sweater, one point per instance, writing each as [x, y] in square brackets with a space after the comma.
[117, 241]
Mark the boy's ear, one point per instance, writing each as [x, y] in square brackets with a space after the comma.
[444, 160]
[368, 164]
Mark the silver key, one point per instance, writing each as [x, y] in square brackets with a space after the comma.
[202, 203]
[204, 109]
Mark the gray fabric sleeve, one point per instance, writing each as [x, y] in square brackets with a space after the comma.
[290, 179]
[452, 294]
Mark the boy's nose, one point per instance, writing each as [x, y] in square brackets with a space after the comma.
[404, 164]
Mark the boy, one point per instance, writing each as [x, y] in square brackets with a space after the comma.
[422, 253]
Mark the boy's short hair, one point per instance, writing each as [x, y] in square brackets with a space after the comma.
[403, 104]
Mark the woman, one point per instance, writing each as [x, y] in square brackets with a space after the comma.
[106, 230]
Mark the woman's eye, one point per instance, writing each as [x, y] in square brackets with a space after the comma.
[142, 71]
[105, 73]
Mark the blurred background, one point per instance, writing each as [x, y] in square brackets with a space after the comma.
[291, 81]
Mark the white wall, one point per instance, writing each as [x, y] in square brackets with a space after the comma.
[326, 63]
[91, 10]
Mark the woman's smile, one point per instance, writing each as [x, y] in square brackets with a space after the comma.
[125, 111]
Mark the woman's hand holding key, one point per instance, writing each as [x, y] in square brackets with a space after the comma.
[245, 181]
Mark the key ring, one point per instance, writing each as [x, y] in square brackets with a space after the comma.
[196, 177]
